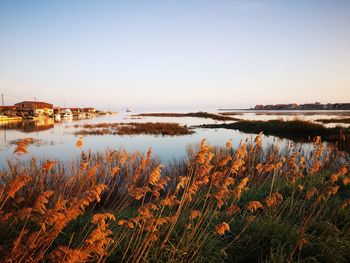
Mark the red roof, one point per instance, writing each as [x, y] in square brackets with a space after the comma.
[39, 104]
[7, 107]
[88, 109]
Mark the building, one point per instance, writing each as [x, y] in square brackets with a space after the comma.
[259, 107]
[89, 110]
[66, 113]
[75, 111]
[345, 106]
[57, 110]
[35, 108]
[292, 106]
[9, 111]
[280, 107]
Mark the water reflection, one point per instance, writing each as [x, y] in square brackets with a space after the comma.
[29, 125]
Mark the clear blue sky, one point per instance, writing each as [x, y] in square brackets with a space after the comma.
[175, 54]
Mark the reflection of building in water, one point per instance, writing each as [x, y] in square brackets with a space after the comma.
[35, 108]
[29, 125]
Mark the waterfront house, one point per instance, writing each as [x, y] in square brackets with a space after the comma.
[57, 110]
[280, 107]
[9, 111]
[66, 113]
[35, 108]
[76, 112]
[345, 106]
[259, 107]
[292, 106]
[89, 110]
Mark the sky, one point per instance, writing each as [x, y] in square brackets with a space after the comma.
[175, 53]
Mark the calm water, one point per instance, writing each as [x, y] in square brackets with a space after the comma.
[57, 140]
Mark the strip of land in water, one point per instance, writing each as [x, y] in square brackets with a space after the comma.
[296, 130]
[133, 128]
[199, 114]
[333, 120]
[297, 113]
[31, 141]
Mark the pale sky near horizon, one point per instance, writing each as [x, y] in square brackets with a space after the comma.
[175, 53]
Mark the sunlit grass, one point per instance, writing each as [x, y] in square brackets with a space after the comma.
[220, 204]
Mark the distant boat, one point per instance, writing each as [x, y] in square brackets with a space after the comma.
[66, 114]
[57, 117]
[127, 109]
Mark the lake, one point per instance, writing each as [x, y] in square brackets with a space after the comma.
[56, 140]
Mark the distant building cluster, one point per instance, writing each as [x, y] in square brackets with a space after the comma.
[37, 109]
[307, 106]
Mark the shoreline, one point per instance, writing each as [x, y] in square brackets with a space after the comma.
[200, 114]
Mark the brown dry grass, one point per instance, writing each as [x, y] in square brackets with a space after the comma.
[215, 206]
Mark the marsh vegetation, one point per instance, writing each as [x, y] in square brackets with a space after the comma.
[133, 128]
